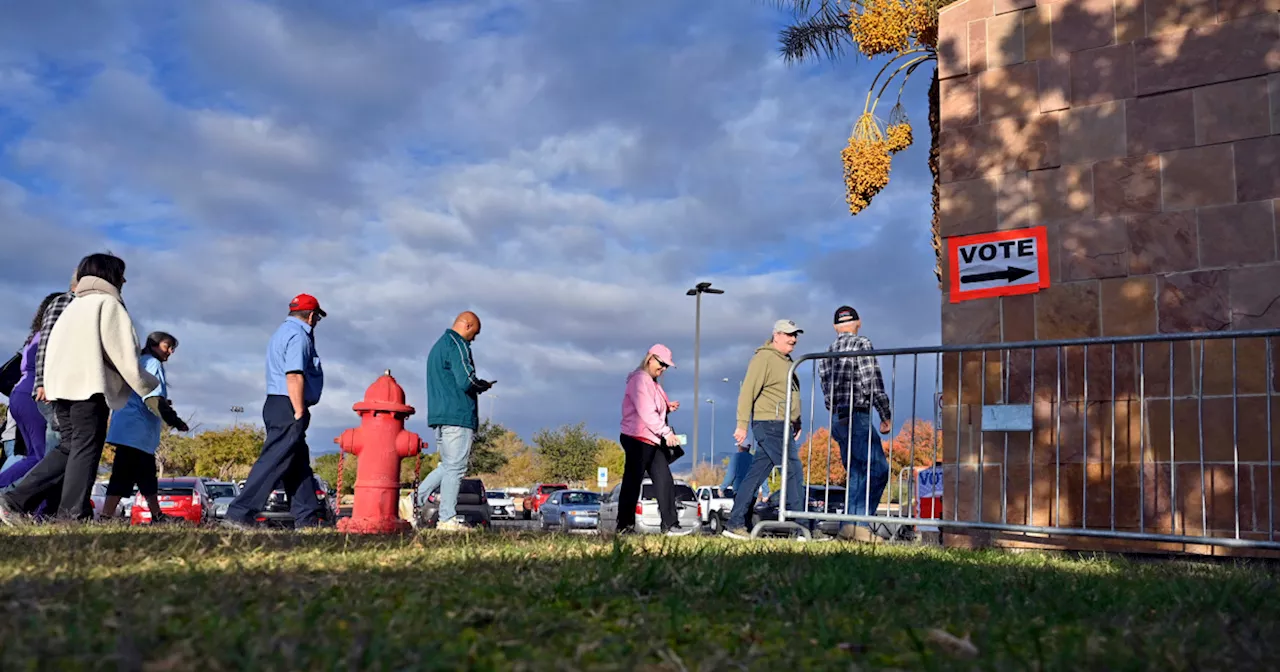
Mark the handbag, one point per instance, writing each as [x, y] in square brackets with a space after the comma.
[674, 452]
[10, 374]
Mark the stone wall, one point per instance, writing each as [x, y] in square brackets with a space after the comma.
[1144, 135]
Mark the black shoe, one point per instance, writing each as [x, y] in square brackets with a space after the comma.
[628, 531]
[674, 531]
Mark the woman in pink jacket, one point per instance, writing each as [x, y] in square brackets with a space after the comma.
[646, 438]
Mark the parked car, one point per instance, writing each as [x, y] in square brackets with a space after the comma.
[277, 511]
[538, 495]
[647, 519]
[222, 493]
[97, 496]
[570, 510]
[473, 507]
[714, 506]
[184, 498]
[501, 505]
[819, 497]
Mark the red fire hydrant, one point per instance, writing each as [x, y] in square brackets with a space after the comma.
[380, 442]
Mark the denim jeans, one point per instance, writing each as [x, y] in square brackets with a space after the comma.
[454, 445]
[51, 434]
[768, 455]
[9, 459]
[854, 458]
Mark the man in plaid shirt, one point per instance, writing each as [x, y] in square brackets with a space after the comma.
[850, 387]
[51, 315]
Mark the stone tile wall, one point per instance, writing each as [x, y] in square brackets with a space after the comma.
[1145, 136]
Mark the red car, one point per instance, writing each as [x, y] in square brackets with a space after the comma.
[184, 498]
[539, 495]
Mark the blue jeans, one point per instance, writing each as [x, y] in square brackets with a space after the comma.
[768, 455]
[454, 445]
[51, 435]
[854, 458]
[9, 458]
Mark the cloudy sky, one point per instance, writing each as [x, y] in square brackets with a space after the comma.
[565, 168]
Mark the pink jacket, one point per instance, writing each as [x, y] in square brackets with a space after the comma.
[644, 409]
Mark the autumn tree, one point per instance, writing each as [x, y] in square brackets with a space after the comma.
[485, 459]
[709, 473]
[904, 35]
[177, 455]
[568, 453]
[820, 455]
[230, 452]
[920, 435]
[521, 465]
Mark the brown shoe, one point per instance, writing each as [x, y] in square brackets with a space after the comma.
[860, 533]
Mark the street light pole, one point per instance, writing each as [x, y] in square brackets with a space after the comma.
[237, 410]
[697, 292]
[713, 429]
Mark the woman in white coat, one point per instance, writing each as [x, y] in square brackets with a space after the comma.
[91, 365]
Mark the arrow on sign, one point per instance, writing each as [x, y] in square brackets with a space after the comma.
[1010, 274]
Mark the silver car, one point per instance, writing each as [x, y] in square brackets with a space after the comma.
[222, 493]
[570, 510]
[647, 519]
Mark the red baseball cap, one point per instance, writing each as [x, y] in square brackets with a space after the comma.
[307, 302]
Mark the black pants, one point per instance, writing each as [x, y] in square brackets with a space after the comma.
[132, 467]
[73, 465]
[641, 458]
[285, 459]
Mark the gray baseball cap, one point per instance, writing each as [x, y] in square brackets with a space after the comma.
[786, 327]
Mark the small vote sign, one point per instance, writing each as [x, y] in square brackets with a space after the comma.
[1001, 263]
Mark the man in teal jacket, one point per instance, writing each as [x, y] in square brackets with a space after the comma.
[452, 410]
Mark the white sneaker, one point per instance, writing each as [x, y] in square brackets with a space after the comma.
[453, 525]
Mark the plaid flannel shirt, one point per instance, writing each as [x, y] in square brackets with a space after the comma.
[853, 382]
[51, 315]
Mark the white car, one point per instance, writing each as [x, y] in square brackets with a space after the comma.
[501, 505]
[647, 519]
[98, 497]
[714, 507]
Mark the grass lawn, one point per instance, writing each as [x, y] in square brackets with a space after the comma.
[115, 598]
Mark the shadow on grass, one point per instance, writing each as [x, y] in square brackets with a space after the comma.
[175, 599]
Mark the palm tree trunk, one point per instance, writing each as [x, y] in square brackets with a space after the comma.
[935, 128]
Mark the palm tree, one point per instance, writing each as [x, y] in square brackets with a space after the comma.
[904, 31]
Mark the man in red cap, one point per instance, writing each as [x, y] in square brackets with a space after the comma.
[294, 383]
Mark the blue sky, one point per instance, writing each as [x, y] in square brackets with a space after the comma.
[564, 168]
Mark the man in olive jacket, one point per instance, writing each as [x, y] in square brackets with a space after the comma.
[762, 404]
[453, 411]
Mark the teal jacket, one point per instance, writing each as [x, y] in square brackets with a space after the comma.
[452, 385]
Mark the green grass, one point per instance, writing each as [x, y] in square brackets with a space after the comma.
[116, 598]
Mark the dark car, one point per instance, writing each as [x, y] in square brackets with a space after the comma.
[277, 514]
[473, 506]
[819, 497]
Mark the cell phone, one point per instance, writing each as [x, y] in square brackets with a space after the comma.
[682, 439]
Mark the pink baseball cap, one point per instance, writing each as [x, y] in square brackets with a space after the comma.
[663, 353]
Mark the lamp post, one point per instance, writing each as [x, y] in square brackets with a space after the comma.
[237, 410]
[713, 429]
[697, 292]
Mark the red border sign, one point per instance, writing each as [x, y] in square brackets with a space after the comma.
[1038, 233]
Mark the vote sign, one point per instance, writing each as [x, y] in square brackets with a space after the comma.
[1002, 263]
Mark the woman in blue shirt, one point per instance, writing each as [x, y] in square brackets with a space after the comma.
[135, 432]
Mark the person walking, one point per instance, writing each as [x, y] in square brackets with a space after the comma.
[736, 472]
[647, 440]
[762, 406]
[851, 386]
[135, 432]
[47, 321]
[295, 381]
[24, 411]
[91, 363]
[453, 391]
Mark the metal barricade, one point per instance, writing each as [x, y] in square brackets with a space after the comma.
[1130, 438]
